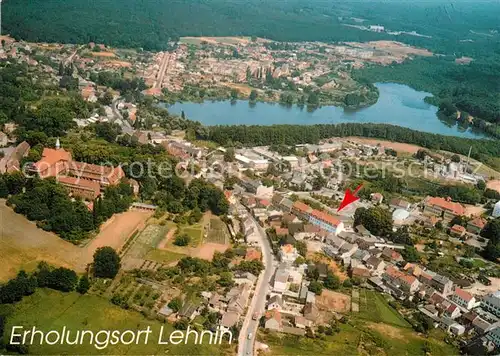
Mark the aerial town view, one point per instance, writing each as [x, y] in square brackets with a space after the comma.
[228, 177]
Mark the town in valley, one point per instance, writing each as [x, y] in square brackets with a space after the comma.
[230, 237]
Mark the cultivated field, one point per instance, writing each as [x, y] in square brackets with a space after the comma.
[121, 64]
[395, 48]
[144, 247]
[89, 312]
[207, 250]
[494, 184]
[242, 88]
[217, 232]
[230, 41]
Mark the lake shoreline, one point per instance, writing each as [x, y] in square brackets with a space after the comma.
[397, 104]
[222, 98]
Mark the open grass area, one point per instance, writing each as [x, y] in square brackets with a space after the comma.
[374, 307]
[52, 310]
[195, 232]
[344, 343]
[164, 256]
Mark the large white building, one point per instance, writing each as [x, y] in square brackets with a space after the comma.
[494, 336]
[496, 210]
[464, 299]
[491, 303]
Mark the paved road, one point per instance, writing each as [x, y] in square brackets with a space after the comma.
[161, 71]
[126, 127]
[245, 345]
[72, 56]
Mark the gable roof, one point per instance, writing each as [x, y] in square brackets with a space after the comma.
[478, 222]
[253, 254]
[273, 314]
[302, 207]
[81, 183]
[446, 204]
[330, 219]
[276, 299]
[399, 202]
[360, 272]
[50, 157]
[373, 261]
[288, 248]
[112, 174]
[390, 253]
[458, 228]
[464, 295]
[229, 319]
[281, 231]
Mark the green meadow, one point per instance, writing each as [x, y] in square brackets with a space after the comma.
[52, 310]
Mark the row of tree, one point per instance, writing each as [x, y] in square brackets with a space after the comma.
[482, 150]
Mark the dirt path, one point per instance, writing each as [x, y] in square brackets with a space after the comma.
[170, 234]
[494, 184]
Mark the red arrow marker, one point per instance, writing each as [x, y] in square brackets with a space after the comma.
[349, 198]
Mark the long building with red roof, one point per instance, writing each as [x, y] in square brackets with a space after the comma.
[442, 207]
[318, 218]
[84, 189]
[82, 179]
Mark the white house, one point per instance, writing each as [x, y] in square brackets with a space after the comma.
[496, 210]
[288, 254]
[275, 302]
[463, 299]
[280, 281]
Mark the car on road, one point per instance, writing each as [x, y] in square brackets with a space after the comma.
[249, 336]
[255, 316]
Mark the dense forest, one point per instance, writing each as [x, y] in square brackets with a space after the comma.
[151, 24]
[473, 89]
[485, 151]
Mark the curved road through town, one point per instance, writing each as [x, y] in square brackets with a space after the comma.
[246, 345]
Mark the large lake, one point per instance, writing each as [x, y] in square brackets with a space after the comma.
[397, 105]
